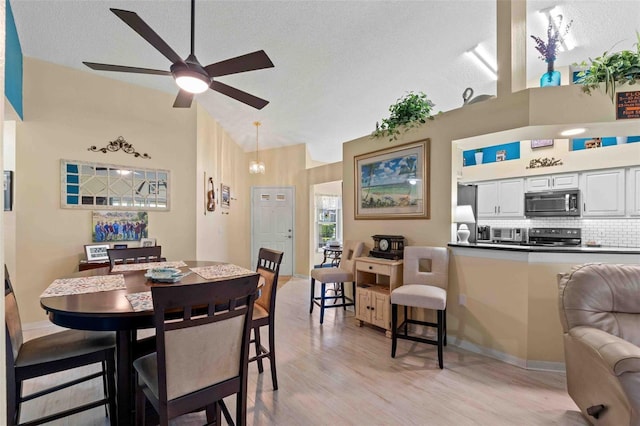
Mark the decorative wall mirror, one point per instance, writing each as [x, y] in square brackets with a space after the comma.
[87, 185]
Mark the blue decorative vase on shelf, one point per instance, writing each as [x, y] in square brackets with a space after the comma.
[551, 77]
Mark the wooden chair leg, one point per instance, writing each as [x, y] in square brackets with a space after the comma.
[440, 338]
[272, 356]
[394, 329]
[353, 294]
[140, 406]
[214, 416]
[406, 322]
[444, 322]
[313, 288]
[258, 345]
[18, 399]
[323, 289]
[344, 300]
[111, 389]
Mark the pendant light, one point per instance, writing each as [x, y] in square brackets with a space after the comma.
[255, 166]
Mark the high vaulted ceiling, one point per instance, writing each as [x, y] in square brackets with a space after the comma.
[338, 64]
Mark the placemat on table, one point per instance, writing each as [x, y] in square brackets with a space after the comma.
[225, 270]
[82, 285]
[147, 265]
[140, 301]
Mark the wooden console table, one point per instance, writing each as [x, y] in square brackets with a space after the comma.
[375, 280]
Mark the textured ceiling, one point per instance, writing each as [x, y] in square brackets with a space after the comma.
[338, 64]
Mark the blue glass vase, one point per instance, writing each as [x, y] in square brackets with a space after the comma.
[550, 78]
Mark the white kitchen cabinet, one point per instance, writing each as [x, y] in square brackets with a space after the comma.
[633, 195]
[501, 198]
[552, 182]
[603, 193]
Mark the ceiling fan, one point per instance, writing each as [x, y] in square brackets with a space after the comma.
[189, 74]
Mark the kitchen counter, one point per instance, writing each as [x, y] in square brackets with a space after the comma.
[548, 249]
[502, 299]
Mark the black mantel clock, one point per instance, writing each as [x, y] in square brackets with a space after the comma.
[387, 247]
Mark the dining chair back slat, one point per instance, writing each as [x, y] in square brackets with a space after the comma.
[134, 255]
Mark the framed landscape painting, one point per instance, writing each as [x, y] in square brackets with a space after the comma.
[393, 183]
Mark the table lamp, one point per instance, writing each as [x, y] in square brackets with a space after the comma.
[464, 215]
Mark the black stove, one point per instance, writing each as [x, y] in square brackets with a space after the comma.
[555, 236]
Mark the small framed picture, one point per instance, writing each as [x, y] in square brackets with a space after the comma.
[8, 190]
[501, 155]
[541, 143]
[147, 242]
[120, 246]
[96, 252]
[225, 196]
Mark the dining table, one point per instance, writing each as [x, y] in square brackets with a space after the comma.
[124, 307]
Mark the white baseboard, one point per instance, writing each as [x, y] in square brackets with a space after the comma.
[509, 359]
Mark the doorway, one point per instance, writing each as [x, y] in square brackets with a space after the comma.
[326, 223]
[272, 223]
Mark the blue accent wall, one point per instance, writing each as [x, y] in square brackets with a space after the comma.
[578, 143]
[512, 151]
[13, 63]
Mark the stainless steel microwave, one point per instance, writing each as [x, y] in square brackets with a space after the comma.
[552, 203]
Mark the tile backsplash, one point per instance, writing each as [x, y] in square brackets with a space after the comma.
[623, 232]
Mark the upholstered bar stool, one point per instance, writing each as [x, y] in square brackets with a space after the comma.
[425, 281]
[345, 272]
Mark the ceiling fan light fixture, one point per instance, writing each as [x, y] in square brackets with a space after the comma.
[190, 76]
[191, 80]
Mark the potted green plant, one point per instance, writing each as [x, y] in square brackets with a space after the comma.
[409, 111]
[612, 69]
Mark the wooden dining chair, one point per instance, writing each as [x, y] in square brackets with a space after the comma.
[134, 255]
[50, 354]
[203, 333]
[265, 308]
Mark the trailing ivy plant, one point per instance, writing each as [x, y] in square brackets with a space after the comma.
[612, 69]
[409, 111]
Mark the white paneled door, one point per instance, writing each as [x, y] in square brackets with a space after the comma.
[272, 219]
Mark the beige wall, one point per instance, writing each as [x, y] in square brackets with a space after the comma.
[222, 235]
[66, 111]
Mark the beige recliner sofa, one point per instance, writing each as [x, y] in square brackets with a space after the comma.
[600, 315]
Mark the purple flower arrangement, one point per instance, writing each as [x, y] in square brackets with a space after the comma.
[549, 50]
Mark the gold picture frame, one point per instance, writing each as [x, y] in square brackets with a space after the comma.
[393, 183]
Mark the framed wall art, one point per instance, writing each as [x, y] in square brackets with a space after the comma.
[393, 183]
[96, 252]
[541, 143]
[8, 190]
[87, 185]
[147, 242]
[225, 196]
[118, 226]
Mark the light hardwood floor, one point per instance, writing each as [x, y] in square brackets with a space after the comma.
[341, 374]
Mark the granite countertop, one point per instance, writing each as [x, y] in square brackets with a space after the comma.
[549, 249]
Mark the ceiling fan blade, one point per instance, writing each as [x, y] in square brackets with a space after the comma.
[122, 68]
[183, 100]
[239, 95]
[249, 62]
[138, 25]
